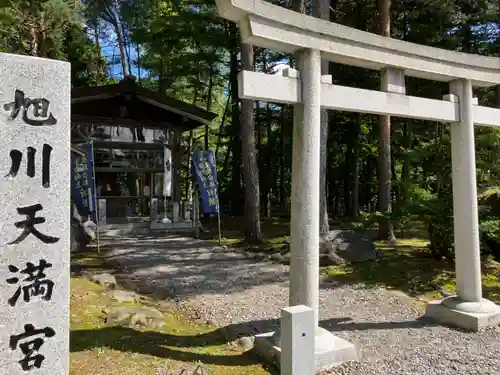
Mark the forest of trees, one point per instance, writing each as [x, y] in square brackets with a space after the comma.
[376, 169]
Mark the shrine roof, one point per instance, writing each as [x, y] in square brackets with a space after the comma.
[128, 104]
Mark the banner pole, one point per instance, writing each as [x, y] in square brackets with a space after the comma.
[218, 216]
[196, 198]
[196, 216]
[94, 198]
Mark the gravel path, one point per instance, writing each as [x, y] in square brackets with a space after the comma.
[231, 290]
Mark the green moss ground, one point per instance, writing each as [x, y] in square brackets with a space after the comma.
[99, 349]
[405, 267]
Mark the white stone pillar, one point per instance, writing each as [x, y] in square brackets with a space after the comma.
[298, 341]
[466, 225]
[467, 309]
[329, 350]
[393, 80]
[304, 226]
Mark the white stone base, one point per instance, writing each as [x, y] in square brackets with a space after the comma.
[330, 350]
[472, 316]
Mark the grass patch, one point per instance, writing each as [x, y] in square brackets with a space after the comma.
[406, 267]
[87, 261]
[99, 349]
[275, 231]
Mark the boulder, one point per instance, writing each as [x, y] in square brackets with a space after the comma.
[124, 296]
[246, 343]
[328, 255]
[104, 279]
[340, 246]
[132, 316]
[277, 257]
[343, 246]
[259, 256]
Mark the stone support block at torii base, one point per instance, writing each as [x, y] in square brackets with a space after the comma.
[468, 315]
[329, 350]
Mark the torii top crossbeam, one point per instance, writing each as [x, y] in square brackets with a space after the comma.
[266, 25]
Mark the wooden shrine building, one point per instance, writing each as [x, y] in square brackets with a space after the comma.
[137, 153]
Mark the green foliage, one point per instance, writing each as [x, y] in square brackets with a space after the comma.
[87, 67]
[37, 27]
[489, 213]
[52, 29]
[490, 235]
[184, 49]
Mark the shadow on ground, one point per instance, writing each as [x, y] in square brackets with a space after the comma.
[232, 230]
[88, 261]
[175, 266]
[401, 267]
[161, 345]
[175, 347]
[178, 267]
[410, 269]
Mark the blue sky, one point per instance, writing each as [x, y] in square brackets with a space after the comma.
[111, 51]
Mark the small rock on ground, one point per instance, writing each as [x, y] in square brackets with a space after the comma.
[133, 316]
[104, 279]
[211, 322]
[124, 296]
[248, 295]
[277, 257]
[246, 343]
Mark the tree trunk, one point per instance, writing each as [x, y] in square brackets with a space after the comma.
[126, 48]
[321, 9]
[249, 158]
[97, 44]
[235, 120]
[348, 171]
[121, 46]
[299, 6]
[270, 164]
[330, 172]
[498, 53]
[189, 191]
[209, 103]
[258, 130]
[385, 231]
[161, 77]
[221, 128]
[370, 164]
[226, 164]
[337, 203]
[394, 178]
[355, 163]
[282, 158]
[258, 147]
[405, 173]
[138, 52]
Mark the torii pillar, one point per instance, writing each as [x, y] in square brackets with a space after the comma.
[330, 350]
[468, 309]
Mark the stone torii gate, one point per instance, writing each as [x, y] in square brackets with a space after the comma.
[265, 25]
